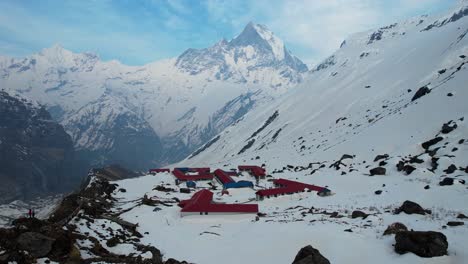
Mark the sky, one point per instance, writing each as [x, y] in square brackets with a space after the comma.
[137, 32]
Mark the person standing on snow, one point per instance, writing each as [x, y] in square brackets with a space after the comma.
[30, 213]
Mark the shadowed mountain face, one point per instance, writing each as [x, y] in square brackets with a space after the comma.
[36, 154]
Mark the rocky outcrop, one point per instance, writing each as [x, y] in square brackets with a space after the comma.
[310, 255]
[422, 243]
[36, 154]
[37, 244]
[395, 228]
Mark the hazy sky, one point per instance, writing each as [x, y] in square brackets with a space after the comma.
[140, 31]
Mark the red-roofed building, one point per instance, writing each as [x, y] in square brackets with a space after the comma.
[202, 203]
[223, 177]
[181, 176]
[256, 171]
[284, 187]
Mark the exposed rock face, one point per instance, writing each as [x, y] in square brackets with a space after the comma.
[310, 255]
[410, 207]
[35, 152]
[424, 244]
[36, 244]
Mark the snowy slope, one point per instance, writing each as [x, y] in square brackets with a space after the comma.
[358, 102]
[179, 99]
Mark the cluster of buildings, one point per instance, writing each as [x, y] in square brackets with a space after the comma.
[202, 201]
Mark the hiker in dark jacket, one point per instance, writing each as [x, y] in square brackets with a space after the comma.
[30, 213]
[33, 214]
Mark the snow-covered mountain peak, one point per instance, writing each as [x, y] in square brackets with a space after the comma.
[261, 37]
[256, 55]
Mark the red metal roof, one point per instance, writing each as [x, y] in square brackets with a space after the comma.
[183, 177]
[254, 170]
[202, 202]
[222, 176]
[289, 187]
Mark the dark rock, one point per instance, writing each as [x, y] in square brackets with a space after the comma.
[357, 214]
[455, 223]
[310, 255]
[400, 165]
[461, 141]
[447, 128]
[382, 163]
[431, 142]
[442, 71]
[348, 230]
[395, 228]
[346, 156]
[450, 94]
[377, 171]
[112, 242]
[378, 192]
[379, 157]
[415, 159]
[422, 243]
[410, 207]
[451, 169]
[446, 181]
[36, 244]
[184, 190]
[427, 187]
[420, 93]
[462, 216]
[408, 169]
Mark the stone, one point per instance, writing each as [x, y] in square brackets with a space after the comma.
[425, 244]
[310, 255]
[447, 128]
[408, 169]
[37, 244]
[395, 228]
[426, 145]
[379, 157]
[357, 214]
[451, 169]
[378, 192]
[377, 171]
[410, 207]
[420, 93]
[446, 181]
[455, 223]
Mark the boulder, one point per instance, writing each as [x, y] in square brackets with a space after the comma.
[36, 244]
[455, 223]
[377, 171]
[379, 157]
[447, 128]
[310, 255]
[451, 169]
[462, 216]
[420, 93]
[425, 244]
[357, 214]
[408, 169]
[410, 207]
[431, 142]
[378, 192]
[395, 228]
[446, 181]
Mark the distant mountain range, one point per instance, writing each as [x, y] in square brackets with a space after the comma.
[142, 116]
